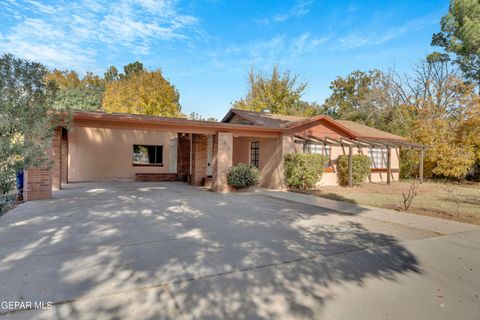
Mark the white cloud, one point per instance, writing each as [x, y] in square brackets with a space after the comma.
[65, 35]
[276, 50]
[367, 37]
[301, 8]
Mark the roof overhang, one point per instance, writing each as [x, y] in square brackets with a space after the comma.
[132, 121]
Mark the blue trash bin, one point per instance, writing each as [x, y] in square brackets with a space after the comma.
[19, 183]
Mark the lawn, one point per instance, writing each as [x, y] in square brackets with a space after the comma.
[454, 201]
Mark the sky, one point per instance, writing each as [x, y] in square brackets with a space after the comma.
[205, 48]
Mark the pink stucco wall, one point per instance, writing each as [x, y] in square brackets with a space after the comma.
[96, 154]
[270, 164]
[271, 160]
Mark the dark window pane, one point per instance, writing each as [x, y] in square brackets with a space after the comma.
[151, 154]
[159, 154]
[145, 154]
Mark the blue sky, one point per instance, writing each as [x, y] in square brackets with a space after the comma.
[205, 48]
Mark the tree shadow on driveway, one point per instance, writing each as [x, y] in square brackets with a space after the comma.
[123, 250]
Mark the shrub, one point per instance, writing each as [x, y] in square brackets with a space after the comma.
[243, 176]
[360, 169]
[302, 170]
[409, 163]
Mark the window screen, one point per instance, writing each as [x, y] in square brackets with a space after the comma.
[378, 158]
[319, 149]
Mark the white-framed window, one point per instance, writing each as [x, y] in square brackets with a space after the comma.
[378, 158]
[322, 149]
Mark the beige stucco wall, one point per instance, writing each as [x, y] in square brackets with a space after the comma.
[270, 162]
[330, 178]
[96, 154]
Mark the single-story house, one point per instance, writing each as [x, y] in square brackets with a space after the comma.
[101, 146]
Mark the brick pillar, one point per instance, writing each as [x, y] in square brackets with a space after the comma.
[183, 156]
[222, 160]
[199, 158]
[64, 157]
[37, 182]
[57, 159]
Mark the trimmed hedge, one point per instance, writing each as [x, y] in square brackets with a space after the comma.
[360, 171]
[243, 176]
[302, 170]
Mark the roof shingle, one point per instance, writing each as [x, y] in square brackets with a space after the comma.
[273, 120]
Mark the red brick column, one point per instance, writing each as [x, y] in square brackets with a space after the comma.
[64, 157]
[57, 159]
[183, 156]
[199, 158]
[222, 160]
[39, 182]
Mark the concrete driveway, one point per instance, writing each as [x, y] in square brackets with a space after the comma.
[172, 251]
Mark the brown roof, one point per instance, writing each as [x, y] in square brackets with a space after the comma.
[266, 119]
[364, 131]
[273, 120]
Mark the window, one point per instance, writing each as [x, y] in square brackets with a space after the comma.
[319, 149]
[378, 158]
[147, 155]
[255, 153]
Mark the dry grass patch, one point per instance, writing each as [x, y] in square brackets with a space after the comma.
[453, 201]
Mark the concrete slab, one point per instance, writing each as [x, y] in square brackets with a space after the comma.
[169, 250]
[441, 226]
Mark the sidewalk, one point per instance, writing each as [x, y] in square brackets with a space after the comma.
[404, 218]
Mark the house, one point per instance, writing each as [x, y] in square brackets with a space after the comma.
[101, 146]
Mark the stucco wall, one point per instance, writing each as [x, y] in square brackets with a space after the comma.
[270, 162]
[330, 178]
[96, 154]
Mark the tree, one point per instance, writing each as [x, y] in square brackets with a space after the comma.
[432, 105]
[350, 98]
[441, 106]
[132, 68]
[279, 93]
[25, 121]
[142, 92]
[71, 92]
[197, 116]
[368, 98]
[460, 35]
[111, 74]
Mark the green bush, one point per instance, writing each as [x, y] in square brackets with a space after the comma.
[409, 163]
[302, 170]
[243, 176]
[360, 169]
[7, 191]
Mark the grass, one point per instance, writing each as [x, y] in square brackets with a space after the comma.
[453, 201]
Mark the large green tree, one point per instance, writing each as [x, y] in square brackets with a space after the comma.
[72, 92]
[460, 35]
[26, 125]
[369, 98]
[141, 91]
[278, 92]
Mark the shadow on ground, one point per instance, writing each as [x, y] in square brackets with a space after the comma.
[167, 250]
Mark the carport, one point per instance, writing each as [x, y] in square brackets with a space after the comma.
[97, 146]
